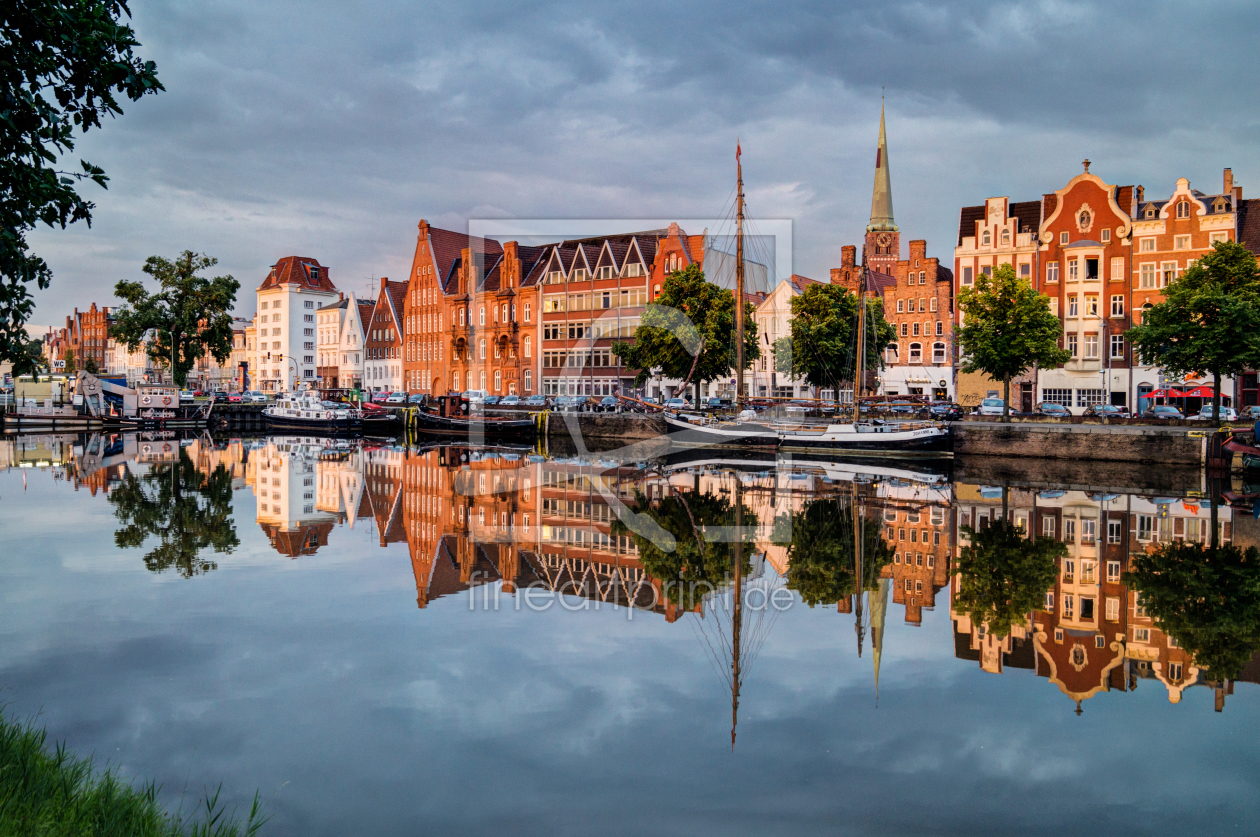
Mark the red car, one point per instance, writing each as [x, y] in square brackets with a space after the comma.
[234, 398]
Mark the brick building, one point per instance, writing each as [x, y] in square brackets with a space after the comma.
[383, 340]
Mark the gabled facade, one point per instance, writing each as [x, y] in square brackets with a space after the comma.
[352, 341]
[329, 322]
[383, 363]
[774, 322]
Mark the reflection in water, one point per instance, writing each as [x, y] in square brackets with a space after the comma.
[187, 509]
[1094, 590]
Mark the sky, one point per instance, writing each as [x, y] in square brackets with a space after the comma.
[329, 129]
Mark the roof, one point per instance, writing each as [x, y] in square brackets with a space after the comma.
[967, 219]
[802, 282]
[333, 306]
[1028, 214]
[1249, 224]
[298, 270]
[879, 282]
[1084, 242]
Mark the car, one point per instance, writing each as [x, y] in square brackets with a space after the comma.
[510, 401]
[379, 396]
[491, 400]
[254, 397]
[396, 398]
[719, 404]
[185, 395]
[200, 393]
[219, 396]
[991, 407]
[608, 404]
[675, 403]
[1227, 413]
[416, 398]
[1251, 413]
[1050, 408]
[234, 397]
[1106, 411]
[943, 411]
[902, 408]
[1162, 412]
[535, 401]
[476, 396]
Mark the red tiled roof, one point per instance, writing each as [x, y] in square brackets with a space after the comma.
[296, 270]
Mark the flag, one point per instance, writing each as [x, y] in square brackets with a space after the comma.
[737, 152]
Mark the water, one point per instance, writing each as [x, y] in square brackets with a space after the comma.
[320, 625]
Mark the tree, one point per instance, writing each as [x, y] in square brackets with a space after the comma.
[688, 565]
[820, 541]
[28, 358]
[822, 349]
[1209, 320]
[61, 64]
[688, 332]
[189, 317]
[1007, 327]
[1003, 575]
[90, 366]
[1206, 597]
[71, 363]
[188, 511]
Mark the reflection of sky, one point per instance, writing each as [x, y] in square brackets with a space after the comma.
[318, 681]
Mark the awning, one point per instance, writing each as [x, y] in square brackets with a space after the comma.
[1199, 392]
[1163, 393]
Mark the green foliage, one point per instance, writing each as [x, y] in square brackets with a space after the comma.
[191, 310]
[187, 510]
[1007, 327]
[90, 365]
[1208, 599]
[820, 541]
[61, 64]
[691, 566]
[1003, 575]
[49, 792]
[690, 315]
[71, 361]
[28, 358]
[1209, 320]
[823, 345]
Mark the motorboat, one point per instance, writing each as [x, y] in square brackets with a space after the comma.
[873, 435]
[305, 411]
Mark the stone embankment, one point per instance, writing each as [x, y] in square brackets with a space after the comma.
[1112, 442]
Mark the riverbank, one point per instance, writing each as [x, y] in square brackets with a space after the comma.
[46, 790]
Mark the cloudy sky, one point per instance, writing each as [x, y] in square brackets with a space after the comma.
[329, 129]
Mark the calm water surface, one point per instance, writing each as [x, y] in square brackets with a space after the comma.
[455, 640]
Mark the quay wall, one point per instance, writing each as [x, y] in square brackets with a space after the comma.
[606, 427]
[1148, 444]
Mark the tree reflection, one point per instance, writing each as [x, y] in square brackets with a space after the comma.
[186, 509]
[821, 545]
[1003, 575]
[1205, 597]
[700, 560]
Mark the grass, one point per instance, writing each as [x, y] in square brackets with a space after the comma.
[49, 792]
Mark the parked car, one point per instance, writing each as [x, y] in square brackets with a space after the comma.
[510, 401]
[608, 404]
[219, 396]
[941, 411]
[1227, 413]
[415, 398]
[535, 401]
[1162, 412]
[396, 398]
[476, 396]
[990, 407]
[676, 403]
[904, 408]
[1106, 411]
[200, 393]
[719, 404]
[491, 400]
[379, 397]
[235, 397]
[185, 395]
[1251, 413]
[1049, 408]
[254, 397]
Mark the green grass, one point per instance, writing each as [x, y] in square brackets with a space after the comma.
[47, 792]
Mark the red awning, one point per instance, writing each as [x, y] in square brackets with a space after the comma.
[1163, 393]
[1199, 392]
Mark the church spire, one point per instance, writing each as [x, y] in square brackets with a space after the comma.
[881, 195]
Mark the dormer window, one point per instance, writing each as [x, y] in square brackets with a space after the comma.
[313, 273]
[1150, 211]
[987, 239]
[1183, 209]
[1219, 206]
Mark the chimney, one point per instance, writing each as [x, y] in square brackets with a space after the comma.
[1141, 193]
[1229, 182]
[848, 256]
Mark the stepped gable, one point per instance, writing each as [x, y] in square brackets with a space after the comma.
[299, 270]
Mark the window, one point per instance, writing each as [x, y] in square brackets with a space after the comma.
[1117, 305]
[940, 328]
[1146, 527]
[1167, 274]
[1089, 397]
[527, 347]
[1218, 236]
[308, 318]
[966, 280]
[498, 379]
[1091, 346]
[1181, 242]
[1074, 271]
[264, 307]
[932, 304]
[1063, 237]
[1140, 634]
[1052, 273]
[890, 353]
[483, 350]
[1069, 605]
[1047, 529]
[1183, 209]
[916, 353]
[922, 277]
[986, 240]
[1117, 346]
[1091, 305]
[915, 329]
[938, 353]
[1049, 600]
[1025, 270]
[1147, 275]
[1073, 306]
[1006, 238]
[529, 379]
[1146, 245]
[308, 358]
[900, 310]
[482, 321]
[1114, 530]
[1054, 307]
[1106, 236]
[525, 311]
[905, 331]
[1117, 269]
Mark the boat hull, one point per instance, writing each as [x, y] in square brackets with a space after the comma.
[741, 434]
[931, 439]
[428, 423]
[343, 425]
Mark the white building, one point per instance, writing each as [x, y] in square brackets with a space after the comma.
[288, 298]
[774, 322]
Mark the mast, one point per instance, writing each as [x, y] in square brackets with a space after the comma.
[739, 287]
[857, 567]
[861, 341]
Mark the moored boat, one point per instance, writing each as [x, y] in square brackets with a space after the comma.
[452, 417]
[702, 430]
[305, 411]
[895, 437]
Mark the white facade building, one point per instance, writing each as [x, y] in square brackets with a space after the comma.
[285, 324]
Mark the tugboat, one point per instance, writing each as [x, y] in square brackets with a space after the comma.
[452, 418]
[305, 411]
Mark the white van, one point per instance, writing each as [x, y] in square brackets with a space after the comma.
[991, 407]
[476, 396]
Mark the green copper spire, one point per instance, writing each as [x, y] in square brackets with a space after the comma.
[881, 197]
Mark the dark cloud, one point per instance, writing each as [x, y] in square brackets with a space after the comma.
[330, 129]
